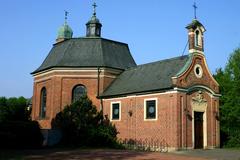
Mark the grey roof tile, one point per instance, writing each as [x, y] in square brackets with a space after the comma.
[146, 78]
[88, 52]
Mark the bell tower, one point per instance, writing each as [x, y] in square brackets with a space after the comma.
[195, 34]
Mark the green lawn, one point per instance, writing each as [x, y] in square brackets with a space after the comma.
[11, 155]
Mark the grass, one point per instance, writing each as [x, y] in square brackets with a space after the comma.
[11, 155]
[231, 148]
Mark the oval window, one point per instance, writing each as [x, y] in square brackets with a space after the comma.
[198, 71]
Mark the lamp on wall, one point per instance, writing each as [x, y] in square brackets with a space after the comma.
[130, 113]
[187, 113]
[216, 114]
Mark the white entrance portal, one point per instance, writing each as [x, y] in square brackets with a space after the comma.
[199, 104]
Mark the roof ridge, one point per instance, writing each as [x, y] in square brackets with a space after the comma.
[159, 61]
[65, 50]
[102, 50]
[76, 38]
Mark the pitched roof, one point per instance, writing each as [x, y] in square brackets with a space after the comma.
[146, 78]
[88, 52]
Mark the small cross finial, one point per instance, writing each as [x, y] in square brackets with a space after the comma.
[195, 10]
[66, 14]
[94, 8]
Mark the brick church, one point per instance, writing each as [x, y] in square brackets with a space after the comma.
[175, 100]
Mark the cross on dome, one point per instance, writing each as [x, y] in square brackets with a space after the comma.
[94, 8]
[66, 14]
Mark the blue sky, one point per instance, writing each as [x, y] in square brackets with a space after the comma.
[154, 30]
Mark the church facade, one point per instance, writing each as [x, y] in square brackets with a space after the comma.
[175, 101]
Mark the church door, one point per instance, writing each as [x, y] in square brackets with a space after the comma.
[198, 129]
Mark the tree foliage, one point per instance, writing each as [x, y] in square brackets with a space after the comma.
[13, 109]
[229, 81]
[16, 128]
[82, 125]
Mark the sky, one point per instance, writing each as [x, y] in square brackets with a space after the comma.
[153, 29]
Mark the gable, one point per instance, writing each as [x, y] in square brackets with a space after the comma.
[188, 77]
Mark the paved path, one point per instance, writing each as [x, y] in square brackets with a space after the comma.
[106, 154]
[216, 154]
[110, 154]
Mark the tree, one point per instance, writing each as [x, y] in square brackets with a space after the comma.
[14, 109]
[229, 81]
[16, 128]
[82, 125]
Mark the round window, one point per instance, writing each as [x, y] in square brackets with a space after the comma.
[198, 71]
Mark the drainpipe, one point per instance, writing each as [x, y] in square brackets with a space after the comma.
[186, 121]
[186, 130]
[98, 87]
[98, 81]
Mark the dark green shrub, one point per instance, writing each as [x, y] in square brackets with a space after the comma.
[82, 125]
[105, 135]
[16, 128]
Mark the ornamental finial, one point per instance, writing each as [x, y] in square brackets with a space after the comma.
[94, 8]
[195, 10]
[66, 14]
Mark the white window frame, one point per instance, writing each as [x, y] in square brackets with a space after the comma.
[200, 71]
[145, 106]
[111, 108]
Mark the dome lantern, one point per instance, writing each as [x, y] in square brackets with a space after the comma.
[94, 25]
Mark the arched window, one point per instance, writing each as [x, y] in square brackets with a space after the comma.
[77, 92]
[43, 103]
[197, 38]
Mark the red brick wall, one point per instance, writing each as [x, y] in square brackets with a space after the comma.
[48, 84]
[191, 38]
[172, 125]
[59, 87]
[135, 127]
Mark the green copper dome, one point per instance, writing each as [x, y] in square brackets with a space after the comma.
[65, 32]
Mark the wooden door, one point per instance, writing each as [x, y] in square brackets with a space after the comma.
[198, 129]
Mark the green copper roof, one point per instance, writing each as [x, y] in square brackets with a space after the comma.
[186, 66]
[65, 32]
[194, 24]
